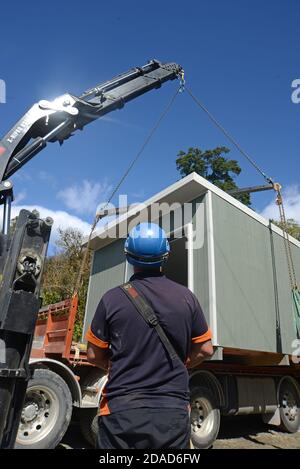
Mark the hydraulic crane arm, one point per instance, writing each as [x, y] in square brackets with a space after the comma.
[22, 255]
[57, 120]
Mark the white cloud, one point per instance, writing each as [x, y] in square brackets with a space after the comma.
[84, 198]
[20, 196]
[291, 201]
[48, 178]
[61, 219]
[22, 176]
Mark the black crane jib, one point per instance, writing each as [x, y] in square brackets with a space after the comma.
[52, 121]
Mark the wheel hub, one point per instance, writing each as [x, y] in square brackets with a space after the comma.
[39, 415]
[290, 406]
[197, 416]
[30, 412]
[201, 417]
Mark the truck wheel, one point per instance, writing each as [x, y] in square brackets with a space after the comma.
[289, 402]
[88, 420]
[46, 412]
[205, 418]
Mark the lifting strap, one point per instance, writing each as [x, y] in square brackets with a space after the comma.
[296, 298]
[289, 258]
[147, 313]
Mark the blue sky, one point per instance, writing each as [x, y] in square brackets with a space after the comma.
[240, 58]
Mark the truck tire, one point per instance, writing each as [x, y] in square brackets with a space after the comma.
[205, 418]
[88, 421]
[289, 406]
[46, 412]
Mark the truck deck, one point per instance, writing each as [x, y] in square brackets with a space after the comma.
[53, 335]
[53, 338]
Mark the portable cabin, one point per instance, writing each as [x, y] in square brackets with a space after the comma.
[231, 257]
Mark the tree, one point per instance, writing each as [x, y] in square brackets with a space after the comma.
[61, 271]
[213, 166]
[292, 227]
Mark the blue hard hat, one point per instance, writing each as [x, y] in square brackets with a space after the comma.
[147, 245]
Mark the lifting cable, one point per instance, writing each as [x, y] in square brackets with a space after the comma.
[288, 250]
[276, 186]
[279, 202]
[117, 187]
[289, 258]
[228, 136]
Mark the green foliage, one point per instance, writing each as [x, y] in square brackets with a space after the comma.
[213, 166]
[61, 271]
[292, 227]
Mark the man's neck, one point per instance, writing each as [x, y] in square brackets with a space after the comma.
[138, 272]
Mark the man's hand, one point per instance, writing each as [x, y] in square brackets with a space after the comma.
[199, 352]
[97, 356]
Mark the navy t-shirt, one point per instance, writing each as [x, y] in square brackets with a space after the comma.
[140, 373]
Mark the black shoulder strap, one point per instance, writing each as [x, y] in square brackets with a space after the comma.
[147, 313]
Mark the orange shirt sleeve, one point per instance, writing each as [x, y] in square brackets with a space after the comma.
[90, 337]
[202, 338]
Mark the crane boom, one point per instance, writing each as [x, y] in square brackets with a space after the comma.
[52, 121]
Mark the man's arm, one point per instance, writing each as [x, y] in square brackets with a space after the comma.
[98, 356]
[198, 353]
[201, 346]
[97, 338]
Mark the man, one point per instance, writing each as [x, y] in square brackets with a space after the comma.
[145, 403]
